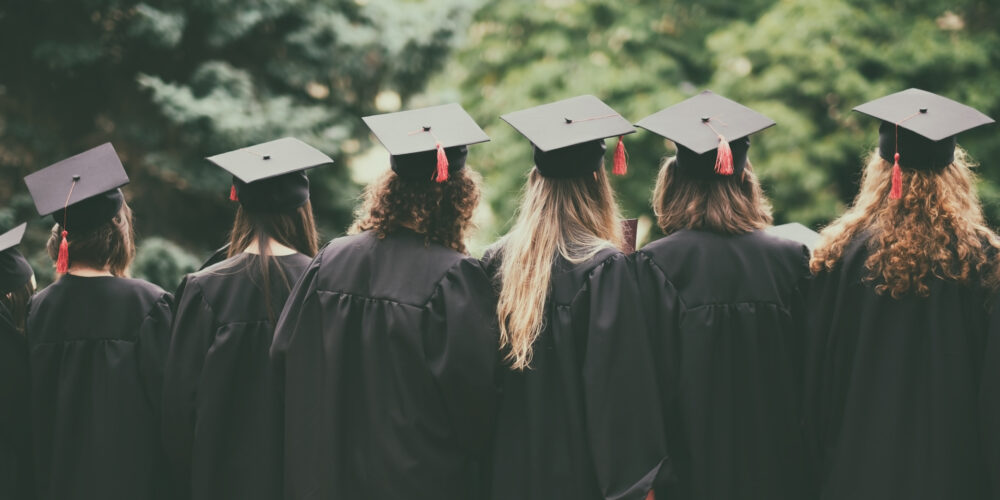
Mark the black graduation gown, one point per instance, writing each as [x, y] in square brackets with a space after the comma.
[219, 255]
[221, 406]
[389, 351]
[97, 347]
[15, 427]
[726, 316]
[892, 388]
[584, 421]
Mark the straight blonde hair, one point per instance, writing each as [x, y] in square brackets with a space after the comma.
[574, 218]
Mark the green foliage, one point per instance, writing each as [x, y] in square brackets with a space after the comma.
[809, 73]
[805, 63]
[162, 262]
[170, 82]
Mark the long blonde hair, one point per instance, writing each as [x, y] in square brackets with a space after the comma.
[935, 230]
[728, 205]
[574, 218]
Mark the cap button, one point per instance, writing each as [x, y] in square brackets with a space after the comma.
[923, 110]
[568, 120]
[705, 119]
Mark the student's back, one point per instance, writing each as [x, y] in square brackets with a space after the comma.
[97, 342]
[580, 416]
[15, 425]
[386, 344]
[724, 303]
[726, 314]
[893, 386]
[222, 413]
[222, 407]
[17, 284]
[901, 394]
[96, 353]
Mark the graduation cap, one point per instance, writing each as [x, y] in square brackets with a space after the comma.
[427, 143]
[270, 177]
[15, 271]
[81, 193]
[929, 124]
[568, 135]
[795, 232]
[712, 133]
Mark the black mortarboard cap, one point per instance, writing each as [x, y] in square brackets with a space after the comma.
[427, 143]
[85, 185]
[568, 135]
[927, 126]
[270, 177]
[700, 125]
[81, 193]
[15, 271]
[795, 232]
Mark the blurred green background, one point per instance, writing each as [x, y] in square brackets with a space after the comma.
[170, 82]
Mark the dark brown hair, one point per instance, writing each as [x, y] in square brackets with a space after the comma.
[16, 302]
[293, 228]
[442, 212]
[111, 246]
[728, 205]
[936, 230]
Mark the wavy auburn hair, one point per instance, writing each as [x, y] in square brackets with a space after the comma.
[728, 205]
[574, 218]
[936, 230]
[442, 212]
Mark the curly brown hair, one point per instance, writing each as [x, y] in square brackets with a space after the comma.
[109, 247]
[936, 230]
[728, 205]
[442, 212]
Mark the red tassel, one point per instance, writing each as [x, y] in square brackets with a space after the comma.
[897, 180]
[621, 165]
[232, 193]
[724, 158]
[62, 263]
[442, 166]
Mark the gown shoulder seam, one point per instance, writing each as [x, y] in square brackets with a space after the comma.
[666, 279]
[586, 280]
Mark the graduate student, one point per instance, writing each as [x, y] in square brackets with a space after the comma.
[17, 284]
[222, 423]
[724, 303]
[898, 334]
[580, 417]
[386, 343]
[97, 342]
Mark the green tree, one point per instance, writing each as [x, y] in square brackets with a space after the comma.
[172, 81]
[162, 262]
[806, 63]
